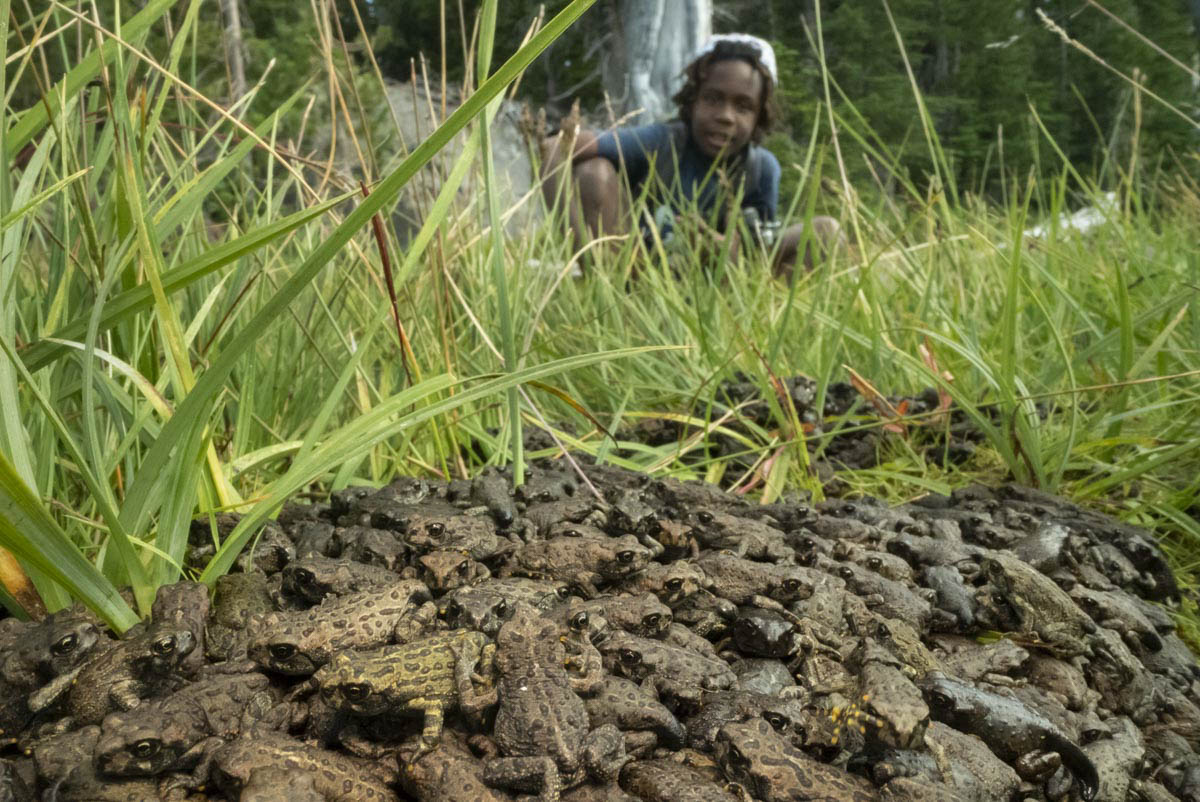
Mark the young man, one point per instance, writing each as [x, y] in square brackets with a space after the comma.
[702, 161]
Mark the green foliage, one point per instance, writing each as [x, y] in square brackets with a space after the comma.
[981, 66]
[151, 371]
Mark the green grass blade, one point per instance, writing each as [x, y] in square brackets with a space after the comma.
[35, 118]
[386, 420]
[140, 298]
[28, 531]
[174, 436]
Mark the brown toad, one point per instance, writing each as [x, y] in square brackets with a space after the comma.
[1039, 609]
[678, 676]
[670, 781]
[587, 562]
[427, 676]
[542, 726]
[118, 677]
[449, 772]
[486, 606]
[473, 534]
[302, 641]
[175, 733]
[444, 570]
[753, 754]
[745, 537]
[313, 577]
[236, 599]
[334, 776]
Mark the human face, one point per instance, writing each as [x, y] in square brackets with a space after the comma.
[726, 107]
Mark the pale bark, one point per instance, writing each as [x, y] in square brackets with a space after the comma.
[233, 48]
[655, 40]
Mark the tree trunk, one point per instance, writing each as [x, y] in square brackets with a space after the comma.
[233, 48]
[655, 40]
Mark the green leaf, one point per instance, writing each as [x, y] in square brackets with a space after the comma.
[384, 421]
[34, 119]
[123, 306]
[28, 531]
[182, 435]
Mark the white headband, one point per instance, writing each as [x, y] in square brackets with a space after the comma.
[766, 54]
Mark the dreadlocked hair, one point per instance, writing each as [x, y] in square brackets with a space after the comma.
[695, 73]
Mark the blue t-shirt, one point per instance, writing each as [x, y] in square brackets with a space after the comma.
[696, 178]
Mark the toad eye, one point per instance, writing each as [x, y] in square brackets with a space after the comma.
[304, 577]
[704, 517]
[281, 651]
[975, 520]
[629, 657]
[356, 691]
[626, 556]
[778, 722]
[737, 760]
[545, 495]
[435, 529]
[941, 699]
[563, 592]
[808, 544]
[791, 585]
[874, 563]
[463, 566]
[164, 646]
[452, 610]
[847, 509]
[579, 621]
[674, 584]
[846, 573]
[145, 748]
[573, 533]
[64, 645]
[501, 608]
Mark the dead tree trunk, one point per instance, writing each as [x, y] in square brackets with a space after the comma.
[233, 48]
[653, 41]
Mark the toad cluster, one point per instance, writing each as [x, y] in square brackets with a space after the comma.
[659, 641]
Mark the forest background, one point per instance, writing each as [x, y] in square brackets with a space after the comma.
[981, 65]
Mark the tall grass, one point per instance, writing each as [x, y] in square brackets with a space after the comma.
[158, 367]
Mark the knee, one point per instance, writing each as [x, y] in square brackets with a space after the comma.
[828, 232]
[595, 175]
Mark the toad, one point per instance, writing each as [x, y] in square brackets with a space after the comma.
[300, 642]
[445, 570]
[334, 776]
[542, 727]
[671, 781]
[754, 754]
[427, 676]
[676, 675]
[1009, 728]
[312, 578]
[177, 732]
[486, 606]
[1039, 609]
[745, 537]
[119, 676]
[472, 534]
[587, 562]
